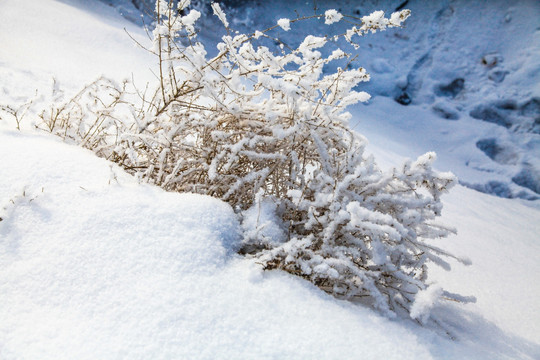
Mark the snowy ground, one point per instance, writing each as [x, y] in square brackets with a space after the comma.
[95, 265]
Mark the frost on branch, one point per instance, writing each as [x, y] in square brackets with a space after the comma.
[285, 24]
[268, 133]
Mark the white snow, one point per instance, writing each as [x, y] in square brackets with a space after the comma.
[261, 221]
[101, 268]
[95, 265]
[424, 302]
[56, 38]
[311, 42]
[332, 16]
[220, 14]
[285, 24]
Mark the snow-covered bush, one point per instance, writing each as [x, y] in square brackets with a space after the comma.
[254, 127]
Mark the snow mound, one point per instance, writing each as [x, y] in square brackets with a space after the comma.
[97, 266]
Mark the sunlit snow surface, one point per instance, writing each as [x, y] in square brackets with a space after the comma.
[95, 266]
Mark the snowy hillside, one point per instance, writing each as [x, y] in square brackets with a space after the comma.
[95, 265]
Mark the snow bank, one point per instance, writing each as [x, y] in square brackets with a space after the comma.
[97, 266]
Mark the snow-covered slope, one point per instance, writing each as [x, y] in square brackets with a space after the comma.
[95, 265]
[71, 42]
